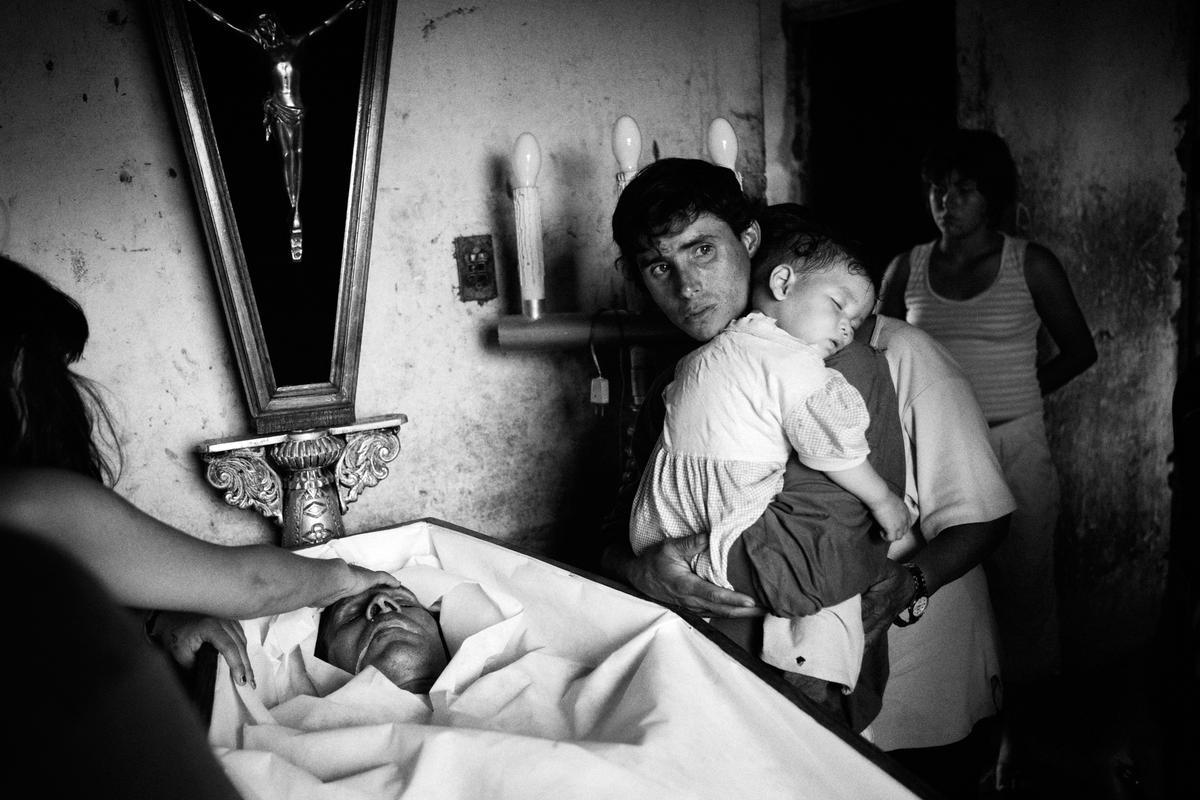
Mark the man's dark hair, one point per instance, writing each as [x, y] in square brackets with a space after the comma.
[793, 234]
[667, 196]
[980, 156]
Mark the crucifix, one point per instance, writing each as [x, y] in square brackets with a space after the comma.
[283, 110]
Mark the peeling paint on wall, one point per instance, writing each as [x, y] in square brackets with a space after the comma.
[1101, 188]
[431, 24]
[1119, 242]
[502, 442]
[78, 265]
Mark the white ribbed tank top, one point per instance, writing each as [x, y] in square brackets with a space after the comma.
[992, 336]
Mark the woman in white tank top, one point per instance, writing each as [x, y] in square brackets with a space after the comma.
[985, 296]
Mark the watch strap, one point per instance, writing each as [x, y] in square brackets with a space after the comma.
[920, 598]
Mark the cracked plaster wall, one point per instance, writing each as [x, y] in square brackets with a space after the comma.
[1087, 93]
[95, 194]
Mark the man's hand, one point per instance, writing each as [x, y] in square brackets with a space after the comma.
[663, 572]
[886, 598]
[183, 633]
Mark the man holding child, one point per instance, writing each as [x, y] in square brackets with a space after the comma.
[689, 221]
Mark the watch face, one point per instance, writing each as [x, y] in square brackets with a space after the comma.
[918, 606]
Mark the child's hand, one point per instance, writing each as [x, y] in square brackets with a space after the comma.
[893, 517]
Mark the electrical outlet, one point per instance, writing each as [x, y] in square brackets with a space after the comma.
[476, 261]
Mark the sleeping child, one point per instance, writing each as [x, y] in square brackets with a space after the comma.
[742, 403]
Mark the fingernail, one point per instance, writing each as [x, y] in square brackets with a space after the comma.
[241, 679]
[253, 685]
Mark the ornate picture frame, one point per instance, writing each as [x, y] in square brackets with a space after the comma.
[285, 184]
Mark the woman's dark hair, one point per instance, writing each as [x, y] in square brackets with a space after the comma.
[667, 196]
[49, 414]
[981, 156]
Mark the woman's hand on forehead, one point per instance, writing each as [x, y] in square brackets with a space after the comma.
[357, 604]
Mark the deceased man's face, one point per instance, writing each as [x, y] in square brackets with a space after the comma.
[388, 629]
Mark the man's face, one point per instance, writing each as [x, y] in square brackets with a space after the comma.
[388, 629]
[700, 275]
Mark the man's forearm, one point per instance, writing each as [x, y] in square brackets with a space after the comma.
[958, 549]
[949, 556]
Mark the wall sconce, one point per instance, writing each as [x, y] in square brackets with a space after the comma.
[526, 163]
[534, 330]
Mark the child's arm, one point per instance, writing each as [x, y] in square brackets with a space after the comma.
[864, 482]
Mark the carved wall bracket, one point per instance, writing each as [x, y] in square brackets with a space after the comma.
[305, 480]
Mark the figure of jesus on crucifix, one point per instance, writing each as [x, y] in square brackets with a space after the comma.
[283, 111]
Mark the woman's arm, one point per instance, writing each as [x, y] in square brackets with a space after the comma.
[1060, 313]
[146, 563]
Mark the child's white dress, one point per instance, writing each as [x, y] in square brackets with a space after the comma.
[736, 409]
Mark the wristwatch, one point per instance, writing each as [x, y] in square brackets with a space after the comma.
[920, 599]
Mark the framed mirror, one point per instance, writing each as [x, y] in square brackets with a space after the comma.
[280, 110]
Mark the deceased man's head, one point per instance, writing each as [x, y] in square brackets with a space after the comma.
[386, 628]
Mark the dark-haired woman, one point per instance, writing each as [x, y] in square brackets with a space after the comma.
[985, 295]
[53, 486]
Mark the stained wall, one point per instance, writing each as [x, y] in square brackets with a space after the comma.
[95, 194]
[1089, 95]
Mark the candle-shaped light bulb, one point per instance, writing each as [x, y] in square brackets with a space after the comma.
[526, 163]
[627, 147]
[723, 146]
